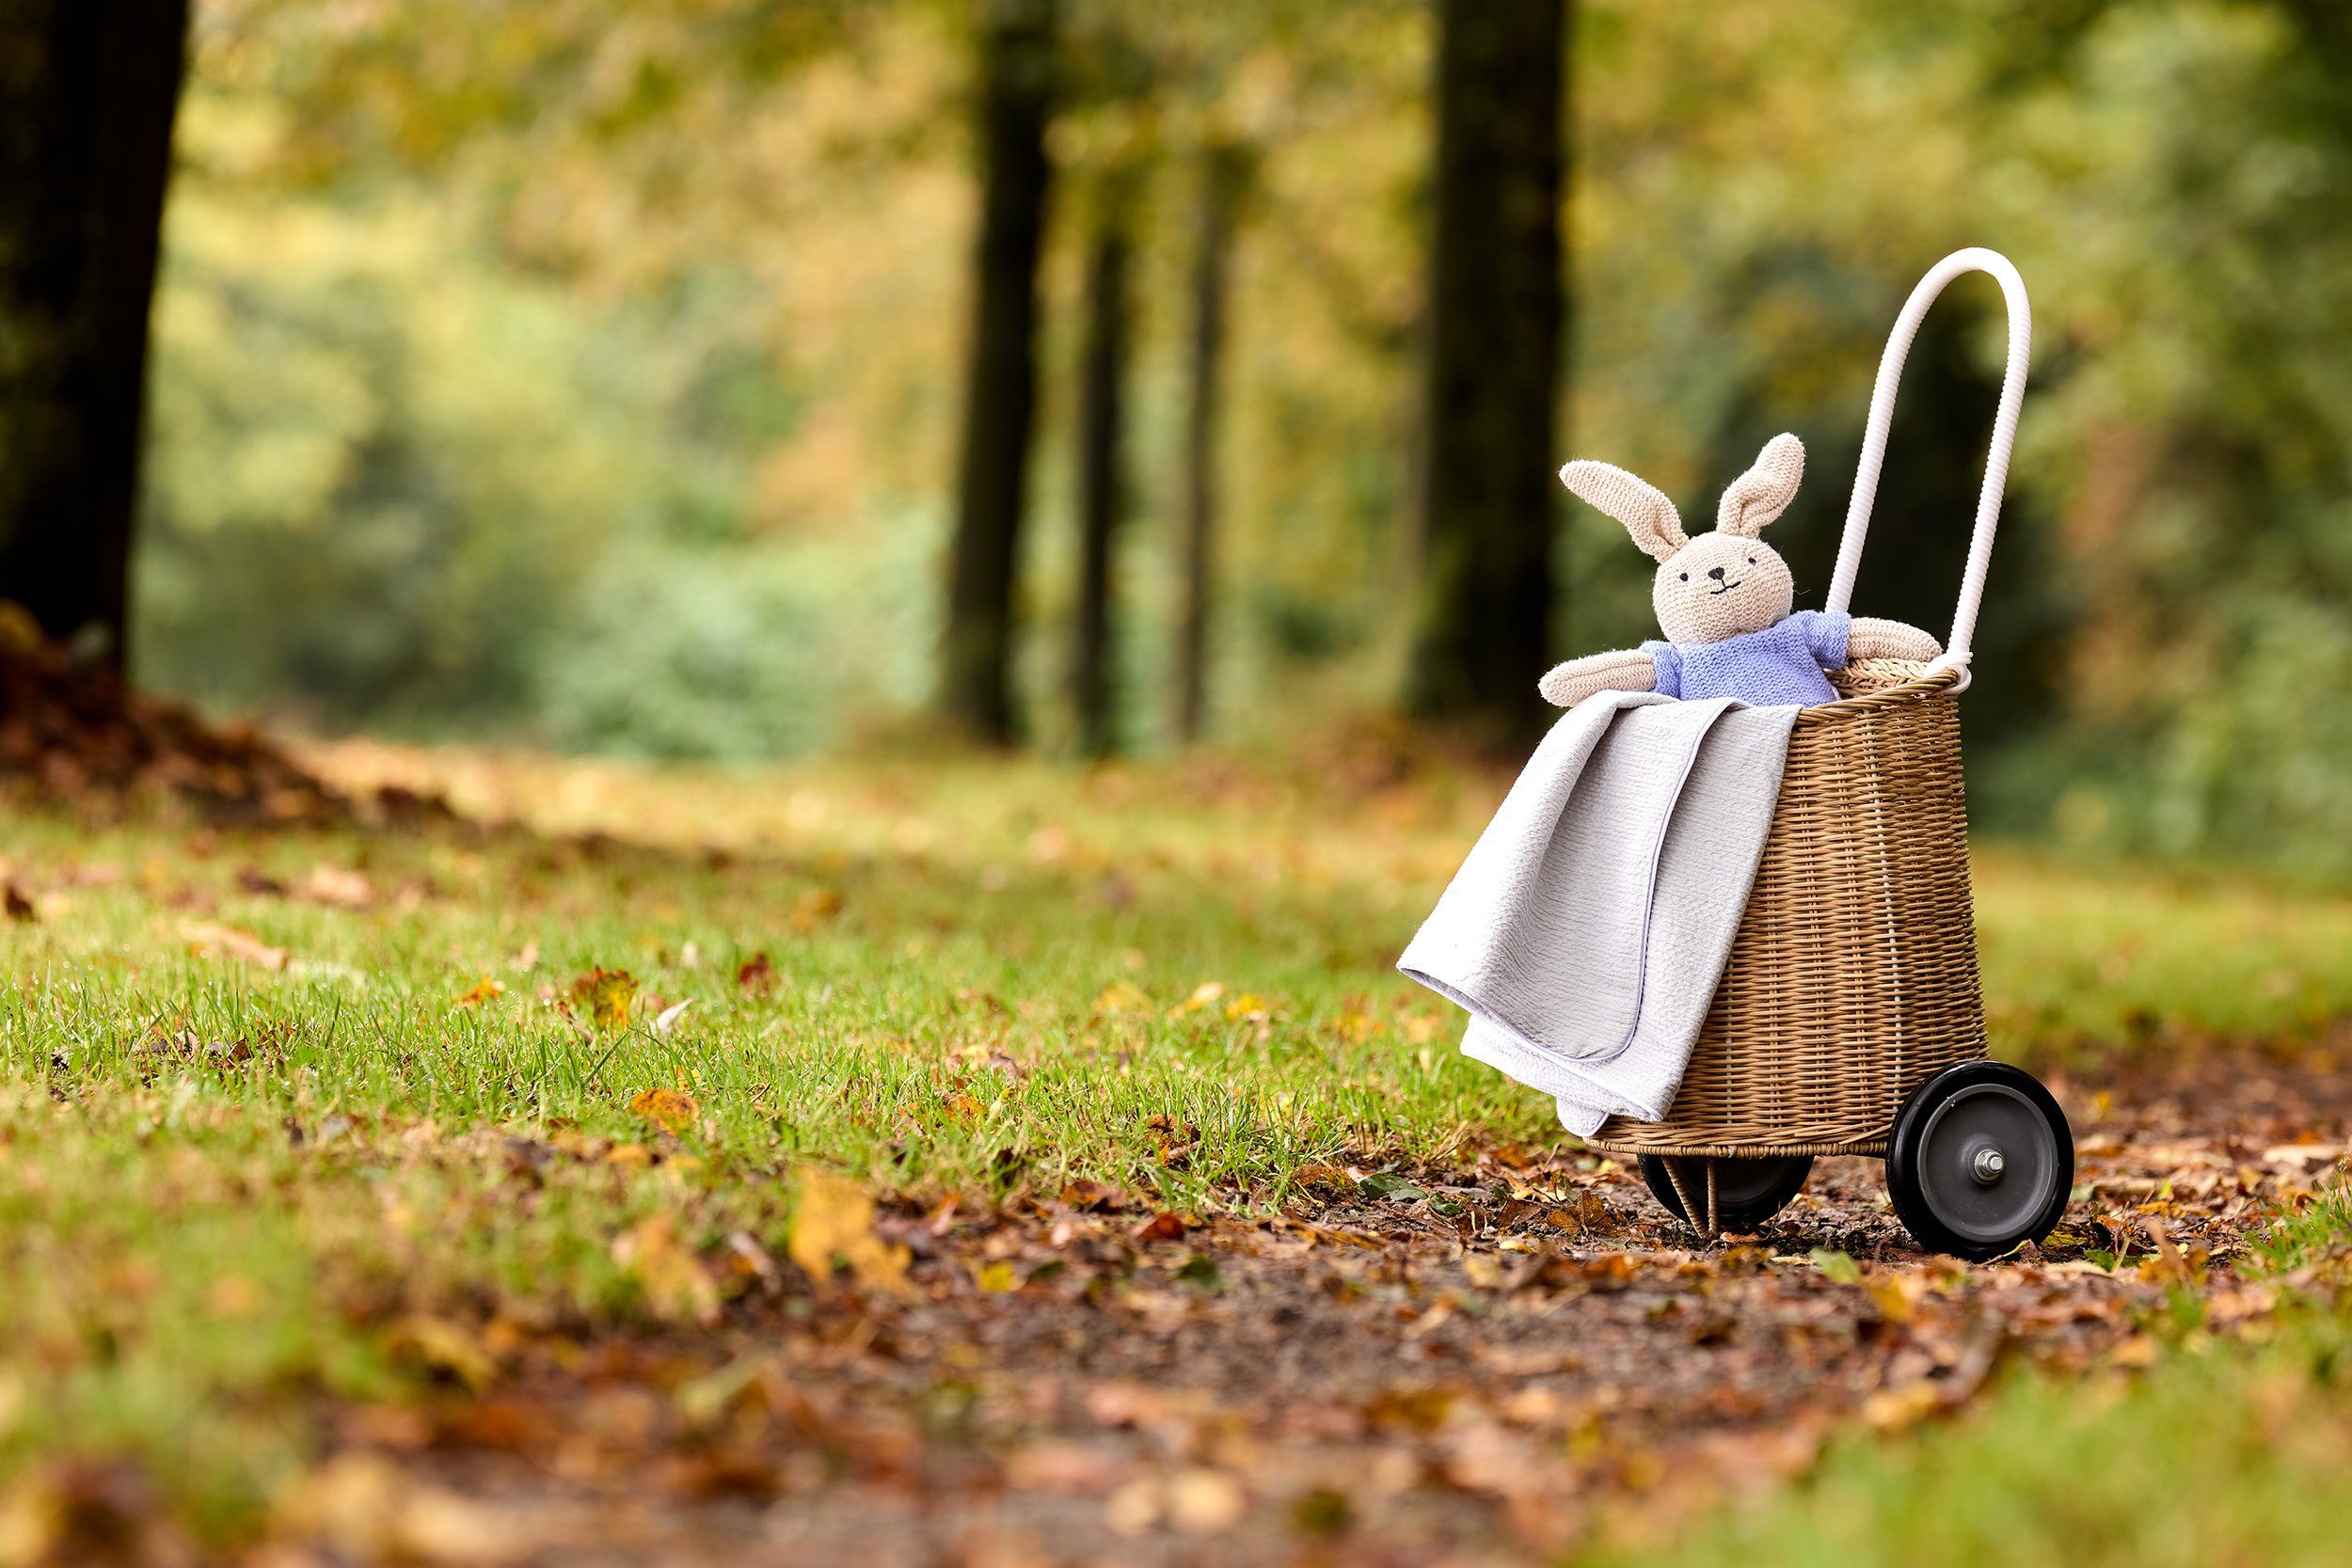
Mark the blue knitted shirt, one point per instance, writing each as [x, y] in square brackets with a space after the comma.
[1777, 666]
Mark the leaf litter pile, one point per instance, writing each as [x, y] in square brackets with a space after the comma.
[1484, 1360]
[72, 734]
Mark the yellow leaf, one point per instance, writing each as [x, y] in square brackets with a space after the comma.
[666, 1269]
[1119, 997]
[996, 1277]
[1243, 1005]
[1207, 993]
[482, 990]
[1893, 1409]
[445, 1347]
[673, 1109]
[1895, 1294]
[1483, 1270]
[835, 1218]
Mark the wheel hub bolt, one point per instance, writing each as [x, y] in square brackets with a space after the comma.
[1988, 1165]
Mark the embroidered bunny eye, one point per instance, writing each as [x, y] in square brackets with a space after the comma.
[1751, 561]
[1686, 577]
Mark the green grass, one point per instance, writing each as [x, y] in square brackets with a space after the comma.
[226, 1189]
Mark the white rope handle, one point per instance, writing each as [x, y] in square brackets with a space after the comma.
[1866, 480]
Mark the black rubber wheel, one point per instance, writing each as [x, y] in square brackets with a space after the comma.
[1747, 1191]
[1982, 1161]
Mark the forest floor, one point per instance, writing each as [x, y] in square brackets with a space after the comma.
[995, 1163]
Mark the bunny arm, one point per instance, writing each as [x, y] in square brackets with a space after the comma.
[1621, 670]
[1870, 637]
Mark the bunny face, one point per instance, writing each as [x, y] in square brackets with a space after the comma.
[1723, 584]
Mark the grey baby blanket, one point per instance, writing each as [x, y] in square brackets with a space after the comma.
[1586, 930]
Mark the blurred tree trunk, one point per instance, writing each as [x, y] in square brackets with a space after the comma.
[1017, 40]
[1496, 311]
[1223, 172]
[1102, 416]
[1102, 492]
[88, 89]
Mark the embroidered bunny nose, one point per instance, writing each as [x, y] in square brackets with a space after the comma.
[1717, 573]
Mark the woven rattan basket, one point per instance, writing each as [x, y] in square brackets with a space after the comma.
[1846, 1019]
[1854, 977]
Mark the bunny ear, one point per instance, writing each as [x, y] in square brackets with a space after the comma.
[1641, 506]
[1764, 492]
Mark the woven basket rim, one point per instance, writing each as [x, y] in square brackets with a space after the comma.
[1916, 689]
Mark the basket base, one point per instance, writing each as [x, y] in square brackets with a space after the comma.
[1870, 1149]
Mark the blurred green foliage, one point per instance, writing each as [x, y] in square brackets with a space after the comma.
[587, 375]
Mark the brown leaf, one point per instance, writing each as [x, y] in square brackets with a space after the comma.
[755, 975]
[751, 1257]
[1173, 1141]
[1161, 1227]
[814, 909]
[366, 1509]
[672, 1108]
[1712, 1328]
[1079, 1469]
[1203, 1502]
[214, 940]
[482, 990]
[608, 993]
[338, 886]
[2170, 1266]
[1602, 1274]
[17, 902]
[1084, 1195]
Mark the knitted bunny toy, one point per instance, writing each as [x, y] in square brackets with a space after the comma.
[1723, 599]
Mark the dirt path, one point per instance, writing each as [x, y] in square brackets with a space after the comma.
[1465, 1369]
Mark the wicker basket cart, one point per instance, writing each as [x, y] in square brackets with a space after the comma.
[1849, 1018]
